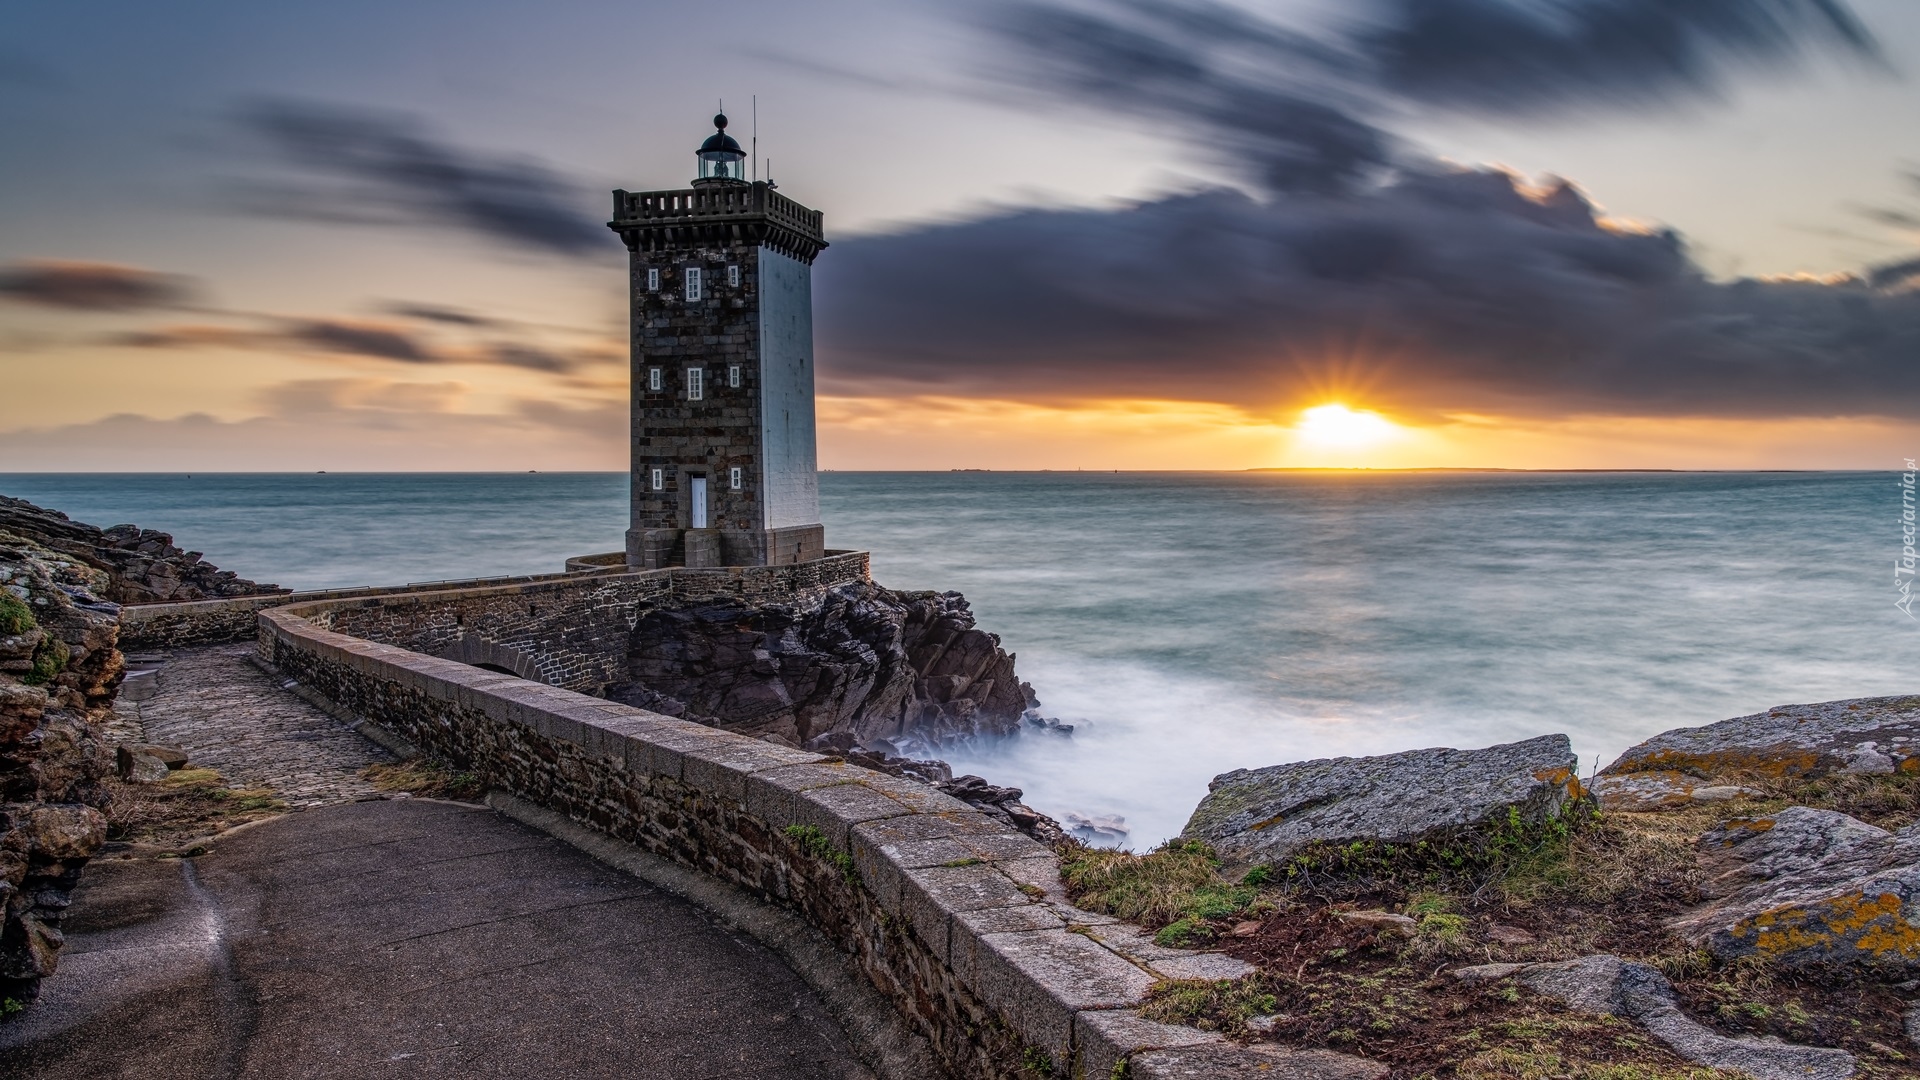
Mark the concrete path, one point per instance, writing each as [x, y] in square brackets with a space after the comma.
[392, 938]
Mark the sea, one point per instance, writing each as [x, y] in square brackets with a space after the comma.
[1187, 624]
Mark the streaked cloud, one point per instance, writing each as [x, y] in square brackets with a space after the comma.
[92, 286]
[358, 166]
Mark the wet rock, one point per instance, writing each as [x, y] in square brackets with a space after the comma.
[1610, 986]
[1264, 815]
[1810, 887]
[1100, 830]
[1662, 789]
[1858, 735]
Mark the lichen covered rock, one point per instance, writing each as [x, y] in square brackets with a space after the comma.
[1662, 789]
[1807, 888]
[1858, 735]
[1265, 815]
[1609, 986]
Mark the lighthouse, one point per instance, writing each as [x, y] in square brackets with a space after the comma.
[720, 275]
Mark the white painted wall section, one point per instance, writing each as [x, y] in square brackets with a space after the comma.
[790, 481]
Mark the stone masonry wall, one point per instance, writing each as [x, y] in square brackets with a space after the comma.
[418, 612]
[956, 916]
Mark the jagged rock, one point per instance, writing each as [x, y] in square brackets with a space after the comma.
[1610, 986]
[59, 667]
[860, 659]
[1810, 887]
[1264, 815]
[140, 566]
[1858, 735]
[1662, 789]
[1100, 830]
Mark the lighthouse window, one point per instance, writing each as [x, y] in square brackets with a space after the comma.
[659, 479]
[653, 378]
[696, 383]
[693, 284]
[733, 376]
[733, 276]
[733, 478]
[653, 279]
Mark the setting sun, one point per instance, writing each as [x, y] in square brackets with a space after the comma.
[1335, 425]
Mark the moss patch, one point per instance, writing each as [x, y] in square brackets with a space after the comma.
[49, 660]
[15, 616]
[1175, 889]
[815, 843]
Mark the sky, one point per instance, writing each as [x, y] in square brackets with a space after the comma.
[1136, 234]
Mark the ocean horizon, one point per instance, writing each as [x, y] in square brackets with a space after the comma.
[1188, 623]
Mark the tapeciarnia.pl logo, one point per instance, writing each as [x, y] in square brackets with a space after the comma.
[1903, 566]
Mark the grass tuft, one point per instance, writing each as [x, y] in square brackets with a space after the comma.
[426, 778]
[815, 843]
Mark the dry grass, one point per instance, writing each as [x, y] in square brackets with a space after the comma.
[426, 778]
[188, 805]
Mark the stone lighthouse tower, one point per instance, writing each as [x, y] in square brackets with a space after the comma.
[721, 281]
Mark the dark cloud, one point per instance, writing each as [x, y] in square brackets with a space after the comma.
[1367, 270]
[436, 313]
[358, 338]
[1303, 111]
[533, 359]
[379, 168]
[1444, 290]
[361, 339]
[88, 286]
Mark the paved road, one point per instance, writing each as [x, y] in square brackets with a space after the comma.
[409, 939]
[390, 938]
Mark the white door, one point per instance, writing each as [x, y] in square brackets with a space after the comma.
[699, 502]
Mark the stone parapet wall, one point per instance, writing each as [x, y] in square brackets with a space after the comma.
[953, 914]
[573, 617]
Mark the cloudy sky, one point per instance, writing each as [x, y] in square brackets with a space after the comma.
[1123, 234]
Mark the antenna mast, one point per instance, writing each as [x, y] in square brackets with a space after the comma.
[756, 137]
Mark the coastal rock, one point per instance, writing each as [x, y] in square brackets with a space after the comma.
[60, 665]
[1611, 986]
[1661, 789]
[1807, 888]
[139, 566]
[1264, 815]
[909, 668]
[1858, 735]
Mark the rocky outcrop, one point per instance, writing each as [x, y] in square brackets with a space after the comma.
[1265, 815]
[908, 668]
[142, 566]
[59, 667]
[1858, 735]
[1610, 986]
[1806, 888]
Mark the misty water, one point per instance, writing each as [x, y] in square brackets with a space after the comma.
[1190, 623]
